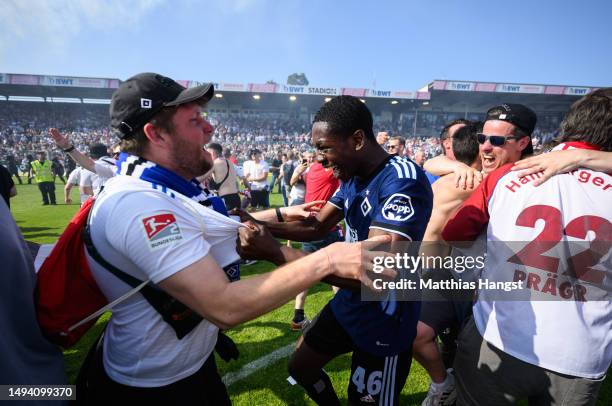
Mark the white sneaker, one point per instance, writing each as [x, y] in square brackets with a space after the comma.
[442, 396]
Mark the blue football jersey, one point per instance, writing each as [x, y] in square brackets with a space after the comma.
[396, 198]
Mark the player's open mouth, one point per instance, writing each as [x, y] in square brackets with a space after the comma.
[488, 160]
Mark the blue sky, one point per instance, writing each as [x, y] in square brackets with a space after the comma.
[390, 45]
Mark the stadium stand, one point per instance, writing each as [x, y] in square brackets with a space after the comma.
[269, 117]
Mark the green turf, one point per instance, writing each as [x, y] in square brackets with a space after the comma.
[255, 339]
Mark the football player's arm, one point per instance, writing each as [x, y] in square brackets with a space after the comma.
[78, 157]
[556, 162]
[67, 189]
[465, 176]
[256, 242]
[311, 228]
[204, 287]
[353, 284]
[291, 213]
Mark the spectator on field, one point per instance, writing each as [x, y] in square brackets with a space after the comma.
[58, 169]
[98, 161]
[223, 176]
[76, 178]
[286, 173]
[320, 186]
[512, 348]
[443, 315]
[446, 136]
[397, 146]
[256, 173]
[275, 171]
[297, 182]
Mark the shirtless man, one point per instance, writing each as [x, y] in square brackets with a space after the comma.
[436, 316]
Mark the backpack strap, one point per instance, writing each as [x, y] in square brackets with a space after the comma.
[95, 254]
[226, 175]
[180, 317]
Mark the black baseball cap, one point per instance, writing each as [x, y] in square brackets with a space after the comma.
[140, 97]
[519, 115]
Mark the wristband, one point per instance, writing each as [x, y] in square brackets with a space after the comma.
[69, 149]
[279, 215]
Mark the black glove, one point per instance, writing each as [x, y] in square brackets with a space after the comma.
[226, 348]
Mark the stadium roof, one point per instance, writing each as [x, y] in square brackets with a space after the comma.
[447, 95]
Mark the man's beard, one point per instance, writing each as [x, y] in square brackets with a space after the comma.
[188, 159]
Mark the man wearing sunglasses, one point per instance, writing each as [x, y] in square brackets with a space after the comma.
[397, 146]
[505, 138]
[545, 346]
[506, 135]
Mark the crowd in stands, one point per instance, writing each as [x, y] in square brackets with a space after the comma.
[24, 125]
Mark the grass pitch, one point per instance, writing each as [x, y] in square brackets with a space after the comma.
[255, 339]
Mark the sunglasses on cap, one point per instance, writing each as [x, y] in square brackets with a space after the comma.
[495, 140]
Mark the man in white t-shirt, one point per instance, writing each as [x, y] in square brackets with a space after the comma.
[153, 223]
[83, 182]
[97, 167]
[256, 173]
[549, 338]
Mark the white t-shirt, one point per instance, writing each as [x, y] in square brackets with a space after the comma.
[105, 169]
[253, 169]
[76, 178]
[151, 235]
[544, 324]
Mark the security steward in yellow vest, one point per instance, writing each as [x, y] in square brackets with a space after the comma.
[43, 174]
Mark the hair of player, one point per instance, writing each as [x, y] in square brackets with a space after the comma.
[590, 120]
[444, 132]
[138, 142]
[345, 115]
[401, 140]
[215, 147]
[97, 150]
[465, 144]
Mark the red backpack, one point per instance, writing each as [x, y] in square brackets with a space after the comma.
[68, 300]
[66, 291]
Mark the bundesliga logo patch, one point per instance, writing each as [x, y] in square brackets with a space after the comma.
[398, 207]
[161, 230]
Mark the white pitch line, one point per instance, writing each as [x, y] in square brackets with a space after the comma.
[233, 377]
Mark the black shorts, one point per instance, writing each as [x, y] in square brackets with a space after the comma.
[232, 201]
[259, 198]
[443, 314]
[372, 377]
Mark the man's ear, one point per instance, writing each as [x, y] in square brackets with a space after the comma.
[154, 134]
[523, 142]
[358, 139]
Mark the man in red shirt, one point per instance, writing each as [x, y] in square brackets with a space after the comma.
[320, 185]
